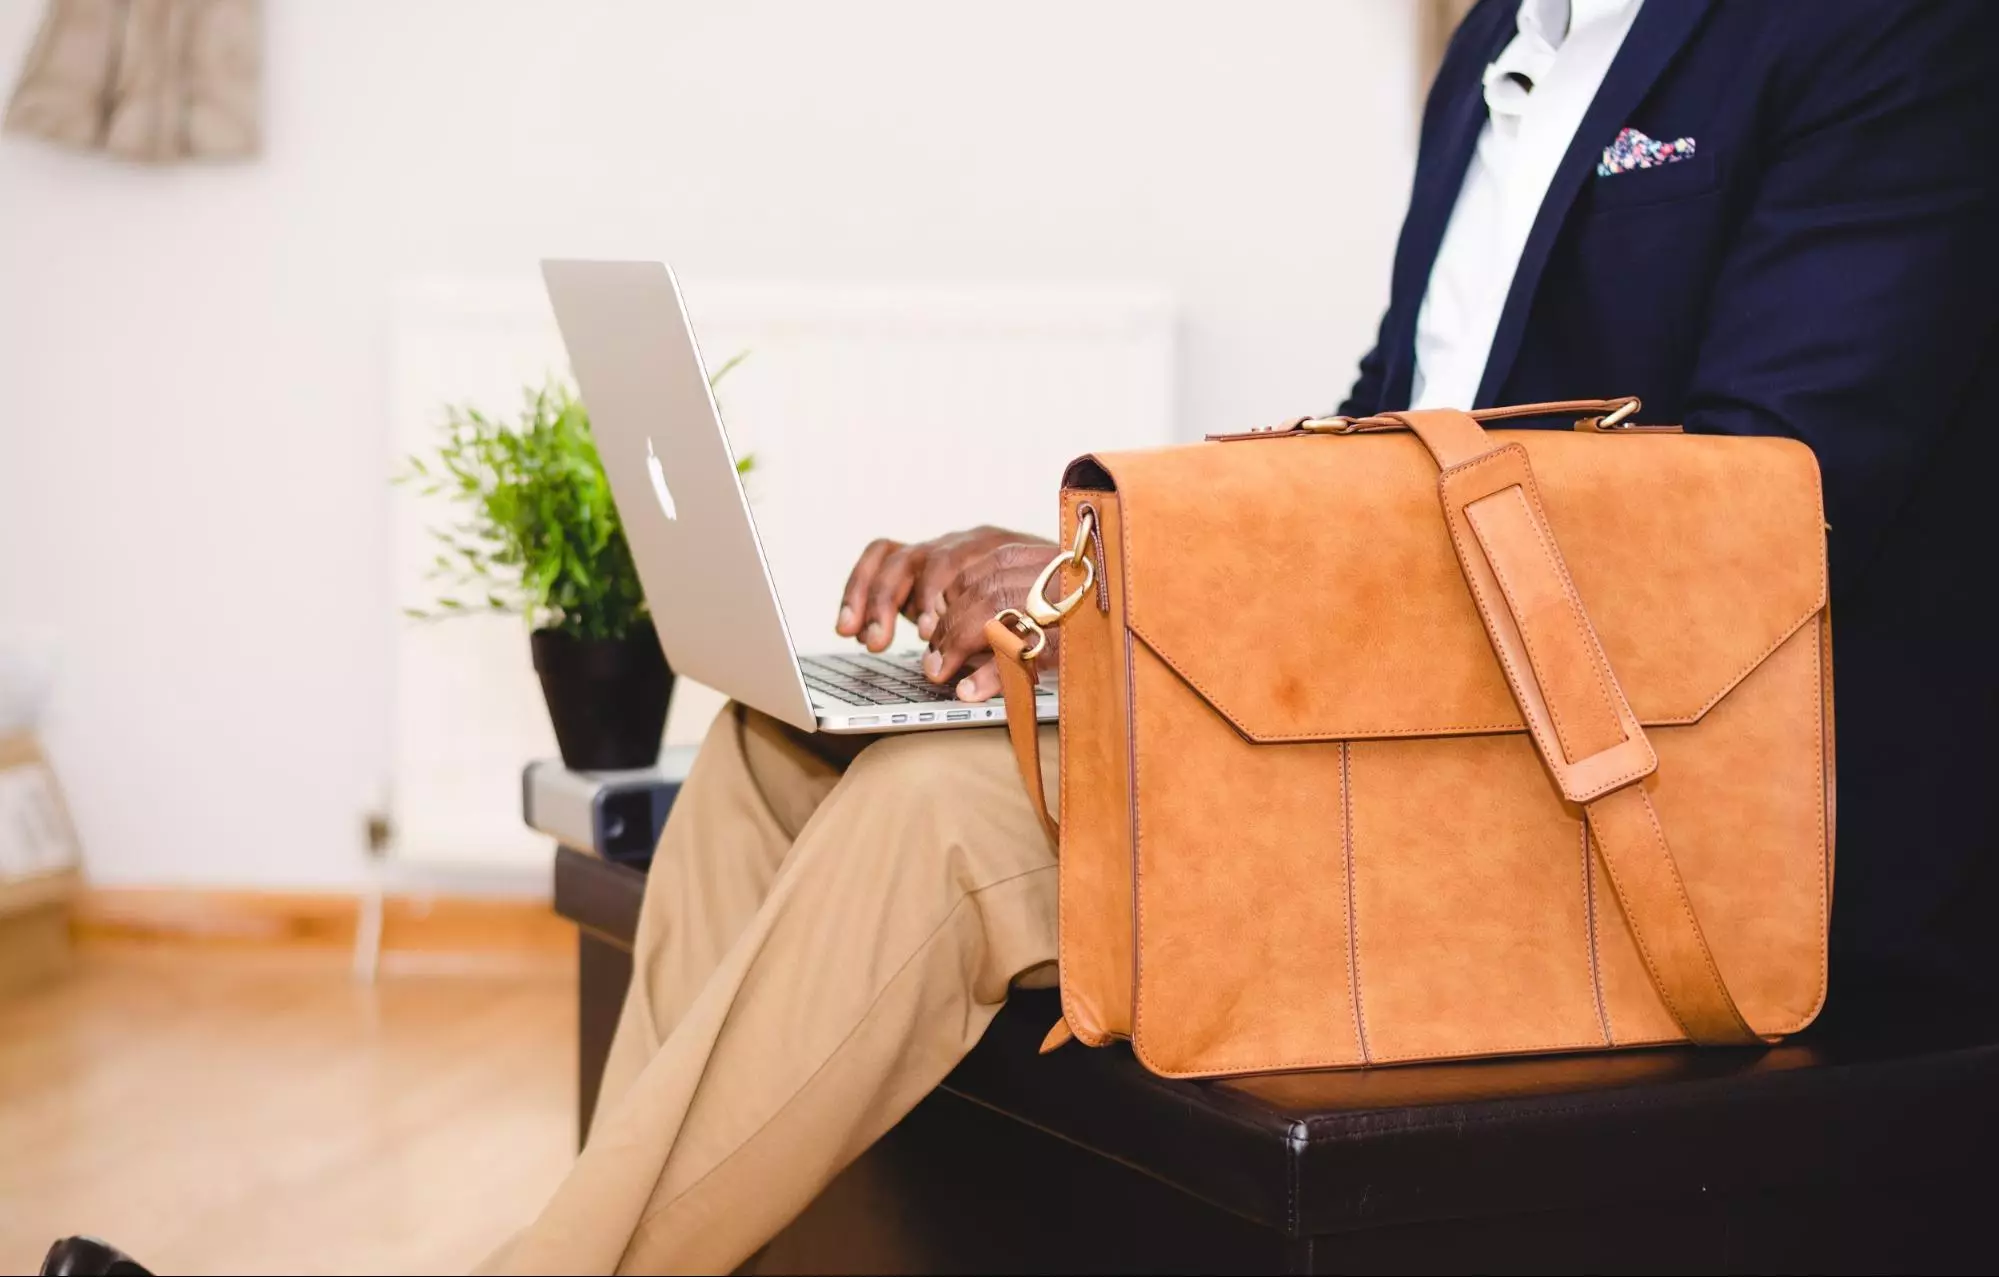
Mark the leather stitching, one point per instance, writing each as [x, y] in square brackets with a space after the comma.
[1133, 832]
[1368, 1058]
[1454, 517]
[1638, 937]
[1098, 1035]
[1454, 520]
[1618, 782]
[1605, 684]
[1474, 1053]
[1511, 1114]
[1021, 672]
[1452, 729]
[1097, 548]
[1504, 1048]
[1795, 1023]
[1735, 680]
[1062, 897]
[1353, 918]
[1365, 733]
[1589, 924]
[1818, 606]
[1599, 663]
[1137, 846]
[1138, 1043]
[1534, 661]
[1825, 835]
[1312, 1061]
[1687, 909]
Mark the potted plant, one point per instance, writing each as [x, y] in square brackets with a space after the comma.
[540, 538]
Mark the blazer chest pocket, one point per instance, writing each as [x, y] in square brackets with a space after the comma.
[1694, 176]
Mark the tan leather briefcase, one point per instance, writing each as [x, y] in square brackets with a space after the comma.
[1394, 739]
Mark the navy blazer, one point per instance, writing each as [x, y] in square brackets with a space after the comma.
[1825, 267]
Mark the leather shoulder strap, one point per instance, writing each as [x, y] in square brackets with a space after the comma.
[1017, 678]
[1574, 707]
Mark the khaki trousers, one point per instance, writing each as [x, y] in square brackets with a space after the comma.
[827, 930]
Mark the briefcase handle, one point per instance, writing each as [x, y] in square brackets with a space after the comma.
[1609, 415]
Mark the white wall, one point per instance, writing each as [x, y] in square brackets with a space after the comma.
[193, 361]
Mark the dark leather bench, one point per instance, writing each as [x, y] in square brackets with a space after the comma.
[1863, 1145]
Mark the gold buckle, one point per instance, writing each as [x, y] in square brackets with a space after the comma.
[1022, 624]
[1611, 419]
[1040, 612]
[1048, 613]
[1078, 555]
[1328, 425]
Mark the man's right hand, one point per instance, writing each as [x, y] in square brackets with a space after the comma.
[911, 579]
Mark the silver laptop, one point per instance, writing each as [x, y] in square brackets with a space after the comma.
[673, 478]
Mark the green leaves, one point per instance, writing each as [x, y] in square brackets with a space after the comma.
[540, 536]
[728, 366]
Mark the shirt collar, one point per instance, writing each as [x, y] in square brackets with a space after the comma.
[1551, 21]
[1546, 21]
[1527, 56]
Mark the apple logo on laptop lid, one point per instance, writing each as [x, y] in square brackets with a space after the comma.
[658, 472]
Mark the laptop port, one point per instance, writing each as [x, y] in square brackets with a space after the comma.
[899, 718]
[926, 718]
[956, 715]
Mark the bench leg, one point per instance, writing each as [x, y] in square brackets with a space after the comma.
[603, 972]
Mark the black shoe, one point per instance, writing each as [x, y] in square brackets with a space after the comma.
[88, 1257]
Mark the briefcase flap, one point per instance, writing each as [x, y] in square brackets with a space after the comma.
[1306, 587]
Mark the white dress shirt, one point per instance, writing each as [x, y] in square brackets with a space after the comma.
[1536, 93]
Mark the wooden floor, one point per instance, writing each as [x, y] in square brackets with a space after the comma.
[255, 1111]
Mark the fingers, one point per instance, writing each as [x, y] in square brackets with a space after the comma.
[853, 600]
[996, 580]
[928, 619]
[920, 582]
[890, 587]
[960, 633]
[927, 601]
[947, 556]
[983, 683]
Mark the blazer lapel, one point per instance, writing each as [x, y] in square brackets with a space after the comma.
[1656, 36]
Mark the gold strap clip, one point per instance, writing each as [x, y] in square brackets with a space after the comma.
[1039, 612]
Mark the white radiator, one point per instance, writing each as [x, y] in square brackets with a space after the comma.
[870, 412]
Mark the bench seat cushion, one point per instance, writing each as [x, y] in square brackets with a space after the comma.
[1316, 1153]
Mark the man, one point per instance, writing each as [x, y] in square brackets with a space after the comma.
[1762, 216]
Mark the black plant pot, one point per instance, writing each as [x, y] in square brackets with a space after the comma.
[606, 697]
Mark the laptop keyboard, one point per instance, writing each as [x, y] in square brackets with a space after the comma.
[864, 678]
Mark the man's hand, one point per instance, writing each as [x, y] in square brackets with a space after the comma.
[912, 579]
[985, 587]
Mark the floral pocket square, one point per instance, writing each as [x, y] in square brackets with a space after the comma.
[1633, 150]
